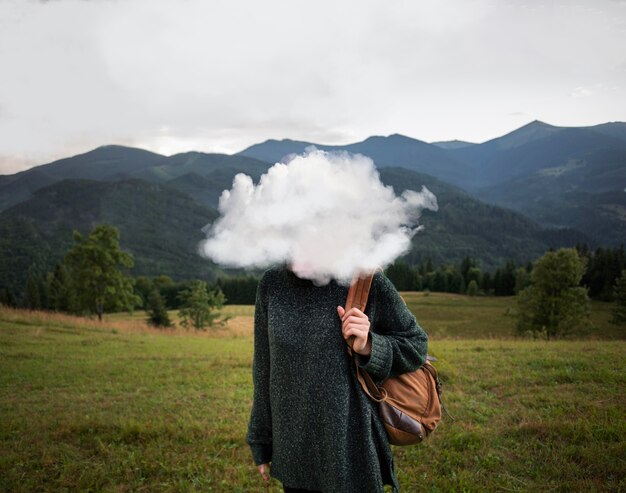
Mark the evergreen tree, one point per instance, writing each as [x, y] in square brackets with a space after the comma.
[198, 304]
[604, 266]
[61, 294]
[429, 281]
[155, 307]
[454, 280]
[486, 283]
[32, 295]
[474, 274]
[7, 298]
[522, 279]
[619, 311]
[468, 269]
[583, 250]
[143, 289]
[403, 277]
[472, 288]
[239, 290]
[44, 293]
[507, 279]
[440, 282]
[497, 282]
[169, 290]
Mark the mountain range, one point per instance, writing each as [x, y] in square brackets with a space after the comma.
[558, 176]
[508, 198]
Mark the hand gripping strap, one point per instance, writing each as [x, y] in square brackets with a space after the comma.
[357, 297]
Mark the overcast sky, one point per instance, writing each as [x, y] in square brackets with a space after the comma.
[218, 76]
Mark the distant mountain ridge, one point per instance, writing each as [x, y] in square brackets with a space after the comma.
[566, 184]
[394, 150]
[453, 144]
[536, 169]
[112, 162]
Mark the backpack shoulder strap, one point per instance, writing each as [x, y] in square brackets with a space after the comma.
[357, 297]
[358, 292]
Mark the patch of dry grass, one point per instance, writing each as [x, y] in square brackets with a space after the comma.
[129, 323]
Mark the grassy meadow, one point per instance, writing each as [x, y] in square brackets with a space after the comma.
[121, 407]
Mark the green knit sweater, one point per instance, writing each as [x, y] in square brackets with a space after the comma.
[310, 419]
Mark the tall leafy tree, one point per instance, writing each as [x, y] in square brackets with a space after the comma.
[554, 303]
[96, 266]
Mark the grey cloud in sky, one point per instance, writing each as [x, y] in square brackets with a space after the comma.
[218, 76]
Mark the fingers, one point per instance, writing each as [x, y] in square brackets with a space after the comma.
[356, 343]
[352, 318]
[358, 329]
[355, 321]
[355, 326]
[355, 330]
[354, 311]
[263, 470]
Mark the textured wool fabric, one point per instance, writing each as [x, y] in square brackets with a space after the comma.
[310, 419]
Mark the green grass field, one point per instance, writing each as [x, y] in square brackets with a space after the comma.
[120, 407]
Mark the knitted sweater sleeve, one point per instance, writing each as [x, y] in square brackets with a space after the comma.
[399, 344]
[259, 435]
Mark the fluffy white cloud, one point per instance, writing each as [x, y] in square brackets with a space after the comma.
[326, 214]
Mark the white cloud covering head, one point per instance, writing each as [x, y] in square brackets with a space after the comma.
[327, 215]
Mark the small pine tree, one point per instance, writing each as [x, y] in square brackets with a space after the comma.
[198, 304]
[619, 311]
[472, 288]
[32, 295]
[156, 310]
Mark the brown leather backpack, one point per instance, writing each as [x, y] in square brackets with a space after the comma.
[409, 404]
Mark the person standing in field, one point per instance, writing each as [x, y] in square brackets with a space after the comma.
[311, 425]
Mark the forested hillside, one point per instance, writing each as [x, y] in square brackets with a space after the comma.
[160, 226]
[568, 182]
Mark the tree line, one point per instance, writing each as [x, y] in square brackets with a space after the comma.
[94, 279]
[552, 293]
[602, 268]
